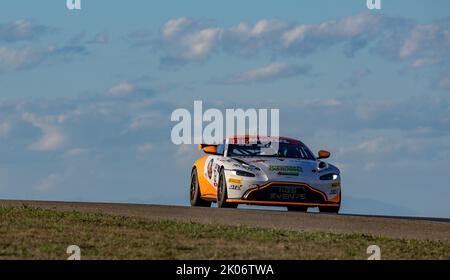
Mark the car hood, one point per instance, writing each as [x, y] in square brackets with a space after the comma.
[275, 167]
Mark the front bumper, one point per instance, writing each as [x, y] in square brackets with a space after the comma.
[286, 194]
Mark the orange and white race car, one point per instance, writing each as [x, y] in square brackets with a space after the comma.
[258, 170]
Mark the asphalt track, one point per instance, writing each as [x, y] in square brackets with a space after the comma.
[395, 227]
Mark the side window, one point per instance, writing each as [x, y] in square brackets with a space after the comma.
[220, 149]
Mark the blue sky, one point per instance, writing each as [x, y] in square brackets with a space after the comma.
[86, 95]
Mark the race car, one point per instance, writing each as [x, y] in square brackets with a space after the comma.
[257, 170]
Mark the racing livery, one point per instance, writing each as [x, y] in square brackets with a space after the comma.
[259, 170]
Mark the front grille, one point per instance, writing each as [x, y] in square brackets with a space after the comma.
[286, 193]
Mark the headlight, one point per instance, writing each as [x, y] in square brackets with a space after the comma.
[242, 173]
[329, 176]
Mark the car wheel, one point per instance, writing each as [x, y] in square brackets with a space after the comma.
[297, 208]
[329, 209]
[222, 193]
[194, 192]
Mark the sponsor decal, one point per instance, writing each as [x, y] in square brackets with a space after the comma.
[235, 181]
[336, 185]
[334, 191]
[236, 187]
[250, 140]
[287, 190]
[287, 174]
[286, 170]
[287, 196]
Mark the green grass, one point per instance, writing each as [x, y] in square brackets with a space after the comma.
[31, 233]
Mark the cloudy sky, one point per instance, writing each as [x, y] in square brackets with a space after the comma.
[86, 96]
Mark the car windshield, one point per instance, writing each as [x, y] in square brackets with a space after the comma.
[270, 149]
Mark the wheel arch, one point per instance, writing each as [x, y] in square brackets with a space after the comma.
[199, 166]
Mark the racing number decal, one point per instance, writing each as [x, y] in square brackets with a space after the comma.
[209, 168]
[216, 174]
[212, 171]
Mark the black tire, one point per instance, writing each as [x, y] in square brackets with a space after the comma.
[329, 209]
[222, 193]
[297, 208]
[194, 192]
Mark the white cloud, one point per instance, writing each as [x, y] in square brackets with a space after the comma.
[145, 148]
[52, 138]
[363, 23]
[259, 29]
[147, 120]
[327, 102]
[424, 61]
[128, 89]
[122, 89]
[419, 38]
[21, 29]
[185, 40]
[14, 59]
[195, 39]
[174, 26]
[367, 111]
[5, 128]
[264, 72]
[271, 72]
[20, 58]
[297, 33]
[200, 44]
[370, 146]
[331, 32]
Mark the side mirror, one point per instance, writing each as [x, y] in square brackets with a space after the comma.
[209, 149]
[323, 154]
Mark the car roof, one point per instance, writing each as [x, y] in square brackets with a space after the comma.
[240, 137]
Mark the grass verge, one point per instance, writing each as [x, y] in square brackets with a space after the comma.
[32, 233]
